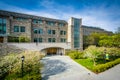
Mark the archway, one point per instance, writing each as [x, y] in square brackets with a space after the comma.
[53, 51]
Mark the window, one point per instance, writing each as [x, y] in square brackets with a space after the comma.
[51, 40]
[62, 32]
[40, 21]
[35, 31]
[51, 23]
[34, 21]
[16, 28]
[40, 39]
[22, 29]
[40, 31]
[0, 20]
[51, 31]
[62, 40]
[21, 19]
[2, 25]
[35, 39]
[60, 24]
[37, 21]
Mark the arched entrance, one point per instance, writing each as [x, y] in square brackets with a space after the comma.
[53, 51]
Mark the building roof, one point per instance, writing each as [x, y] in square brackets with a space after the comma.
[15, 14]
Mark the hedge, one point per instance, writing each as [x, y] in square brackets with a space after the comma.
[102, 67]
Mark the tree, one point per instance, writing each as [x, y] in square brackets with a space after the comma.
[92, 52]
[24, 39]
[92, 39]
[110, 41]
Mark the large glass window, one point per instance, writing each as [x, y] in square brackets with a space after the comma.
[22, 29]
[16, 28]
[76, 33]
[2, 25]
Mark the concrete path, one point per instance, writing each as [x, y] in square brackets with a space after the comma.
[64, 68]
[111, 74]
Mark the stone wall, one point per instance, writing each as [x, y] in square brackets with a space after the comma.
[6, 49]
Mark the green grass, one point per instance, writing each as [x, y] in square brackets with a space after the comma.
[88, 63]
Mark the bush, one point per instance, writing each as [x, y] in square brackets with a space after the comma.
[10, 66]
[76, 54]
[102, 67]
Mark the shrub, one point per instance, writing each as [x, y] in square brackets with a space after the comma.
[76, 54]
[11, 66]
[102, 67]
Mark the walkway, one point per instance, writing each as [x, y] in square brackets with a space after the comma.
[64, 68]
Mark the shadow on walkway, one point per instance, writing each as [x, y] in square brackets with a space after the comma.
[52, 67]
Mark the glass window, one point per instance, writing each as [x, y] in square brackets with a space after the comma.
[35, 31]
[64, 32]
[53, 40]
[40, 40]
[40, 31]
[40, 21]
[16, 28]
[49, 31]
[22, 29]
[35, 39]
[0, 20]
[62, 40]
[53, 31]
[61, 32]
[34, 21]
[49, 40]
[4, 21]
[60, 24]
[51, 23]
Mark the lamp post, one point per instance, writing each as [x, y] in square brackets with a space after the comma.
[104, 55]
[22, 58]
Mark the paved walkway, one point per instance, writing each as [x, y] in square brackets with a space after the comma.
[64, 68]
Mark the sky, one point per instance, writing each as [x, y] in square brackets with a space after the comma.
[97, 13]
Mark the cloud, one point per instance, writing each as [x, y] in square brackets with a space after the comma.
[91, 16]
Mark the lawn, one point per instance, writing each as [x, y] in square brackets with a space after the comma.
[88, 63]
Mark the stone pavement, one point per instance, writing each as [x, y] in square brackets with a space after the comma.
[64, 68]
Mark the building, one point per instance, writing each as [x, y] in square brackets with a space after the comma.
[45, 34]
[75, 33]
[87, 30]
